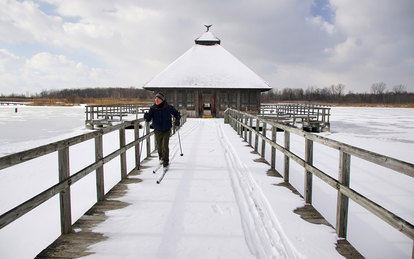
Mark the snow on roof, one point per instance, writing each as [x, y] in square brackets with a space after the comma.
[207, 66]
[208, 38]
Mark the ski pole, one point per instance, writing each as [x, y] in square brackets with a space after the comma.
[142, 143]
[179, 141]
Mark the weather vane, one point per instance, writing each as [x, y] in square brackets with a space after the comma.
[208, 27]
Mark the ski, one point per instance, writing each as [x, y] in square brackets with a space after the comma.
[157, 168]
[162, 176]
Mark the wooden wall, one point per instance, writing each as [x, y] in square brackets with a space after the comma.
[213, 102]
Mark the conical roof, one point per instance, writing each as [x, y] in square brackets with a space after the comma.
[207, 65]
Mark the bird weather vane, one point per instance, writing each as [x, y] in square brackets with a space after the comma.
[208, 27]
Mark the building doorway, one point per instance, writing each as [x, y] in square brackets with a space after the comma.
[206, 106]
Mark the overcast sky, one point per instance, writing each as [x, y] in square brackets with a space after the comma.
[57, 44]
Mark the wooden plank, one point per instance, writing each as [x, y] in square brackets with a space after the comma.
[257, 133]
[137, 149]
[342, 203]
[273, 155]
[123, 154]
[394, 220]
[147, 125]
[64, 195]
[262, 154]
[100, 192]
[385, 161]
[24, 156]
[244, 128]
[27, 155]
[30, 204]
[250, 130]
[286, 159]
[308, 175]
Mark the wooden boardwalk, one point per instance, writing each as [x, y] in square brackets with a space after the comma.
[78, 237]
[76, 243]
[178, 188]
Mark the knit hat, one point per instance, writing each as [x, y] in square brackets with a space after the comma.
[161, 96]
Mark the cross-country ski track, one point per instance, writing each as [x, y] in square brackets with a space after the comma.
[216, 201]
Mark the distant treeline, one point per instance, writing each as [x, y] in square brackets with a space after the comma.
[332, 94]
[88, 93]
[335, 94]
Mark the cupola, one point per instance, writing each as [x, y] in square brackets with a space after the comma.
[207, 38]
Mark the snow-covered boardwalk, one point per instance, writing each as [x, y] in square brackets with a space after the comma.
[216, 201]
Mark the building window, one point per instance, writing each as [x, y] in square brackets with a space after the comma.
[224, 100]
[245, 97]
[233, 100]
[190, 100]
[180, 103]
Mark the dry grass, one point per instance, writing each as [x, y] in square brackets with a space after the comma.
[111, 101]
[387, 105]
[72, 101]
[77, 101]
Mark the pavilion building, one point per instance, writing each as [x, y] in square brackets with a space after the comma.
[207, 79]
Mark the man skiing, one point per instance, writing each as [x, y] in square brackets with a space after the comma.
[161, 114]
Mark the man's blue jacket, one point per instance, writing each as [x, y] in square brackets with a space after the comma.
[161, 116]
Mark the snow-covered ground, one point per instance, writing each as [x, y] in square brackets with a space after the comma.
[216, 182]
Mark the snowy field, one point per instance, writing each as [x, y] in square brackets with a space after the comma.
[382, 130]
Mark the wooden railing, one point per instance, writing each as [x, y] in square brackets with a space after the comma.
[311, 117]
[66, 180]
[106, 114]
[246, 124]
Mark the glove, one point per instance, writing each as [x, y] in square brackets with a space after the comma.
[147, 117]
[177, 123]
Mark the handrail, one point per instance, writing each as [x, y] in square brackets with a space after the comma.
[66, 180]
[239, 121]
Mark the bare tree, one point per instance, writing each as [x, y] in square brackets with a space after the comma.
[399, 89]
[338, 90]
[378, 88]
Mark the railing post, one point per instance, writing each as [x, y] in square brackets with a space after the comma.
[263, 141]
[308, 175]
[64, 196]
[237, 122]
[256, 138]
[92, 117]
[342, 204]
[100, 193]
[239, 126]
[123, 155]
[136, 137]
[250, 132]
[234, 118]
[235, 125]
[287, 147]
[147, 130]
[245, 128]
[273, 158]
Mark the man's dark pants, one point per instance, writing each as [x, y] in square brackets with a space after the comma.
[162, 139]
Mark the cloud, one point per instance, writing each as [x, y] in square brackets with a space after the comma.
[46, 71]
[288, 43]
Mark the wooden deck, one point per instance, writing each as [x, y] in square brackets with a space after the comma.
[309, 117]
[107, 115]
[76, 243]
[77, 237]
